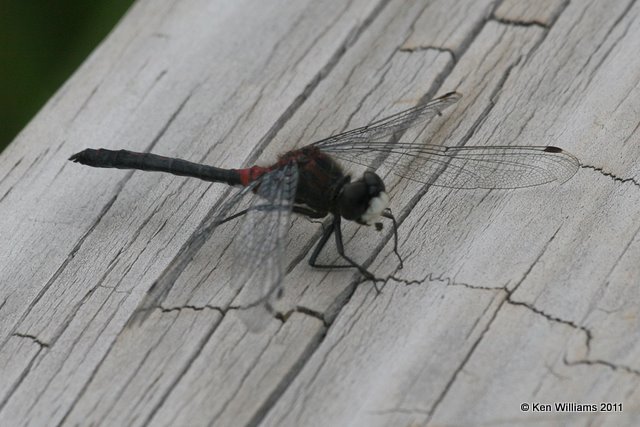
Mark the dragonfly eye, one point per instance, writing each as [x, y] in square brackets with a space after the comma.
[363, 200]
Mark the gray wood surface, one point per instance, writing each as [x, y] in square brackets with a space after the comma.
[507, 297]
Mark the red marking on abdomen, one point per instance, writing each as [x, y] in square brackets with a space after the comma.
[248, 175]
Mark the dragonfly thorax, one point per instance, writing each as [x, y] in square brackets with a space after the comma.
[363, 200]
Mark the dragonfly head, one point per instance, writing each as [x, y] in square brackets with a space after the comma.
[363, 200]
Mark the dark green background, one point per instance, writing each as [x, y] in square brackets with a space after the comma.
[41, 44]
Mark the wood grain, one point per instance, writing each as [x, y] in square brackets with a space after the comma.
[506, 297]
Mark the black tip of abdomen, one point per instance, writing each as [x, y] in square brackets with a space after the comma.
[78, 157]
[84, 157]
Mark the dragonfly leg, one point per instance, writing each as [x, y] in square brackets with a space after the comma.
[340, 246]
[246, 211]
[308, 212]
[316, 251]
[388, 214]
[234, 216]
[303, 211]
[321, 244]
[334, 228]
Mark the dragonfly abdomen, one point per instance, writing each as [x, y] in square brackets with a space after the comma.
[123, 159]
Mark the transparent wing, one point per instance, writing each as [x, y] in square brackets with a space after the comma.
[390, 127]
[259, 247]
[464, 167]
[163, 285]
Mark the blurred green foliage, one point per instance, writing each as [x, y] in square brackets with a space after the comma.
[41, 44]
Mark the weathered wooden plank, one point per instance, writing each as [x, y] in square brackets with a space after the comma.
[244, 377]
[505, 297]
[142, 364]
[560, 254]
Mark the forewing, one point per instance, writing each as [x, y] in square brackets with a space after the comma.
[259, 247]
[465, 167]
[391, 127]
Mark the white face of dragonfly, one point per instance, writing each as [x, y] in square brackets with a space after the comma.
[363, 200]
[376, 206]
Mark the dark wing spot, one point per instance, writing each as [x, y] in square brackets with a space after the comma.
[552, 149]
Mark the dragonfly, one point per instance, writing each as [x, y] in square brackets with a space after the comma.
[311, 181]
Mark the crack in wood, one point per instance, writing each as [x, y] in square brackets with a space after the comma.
[421, 48]
[533, 22]
[555, 319]
[220, 310]
[6, 194]
[171, 119]
[151, 87]
[452, 282]
[15, 165]
[85, 103]
[520, 23]
[33, 338]
[310, 312]
[400, 410]
[599, 362]
[611, 175]
[535, 261]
